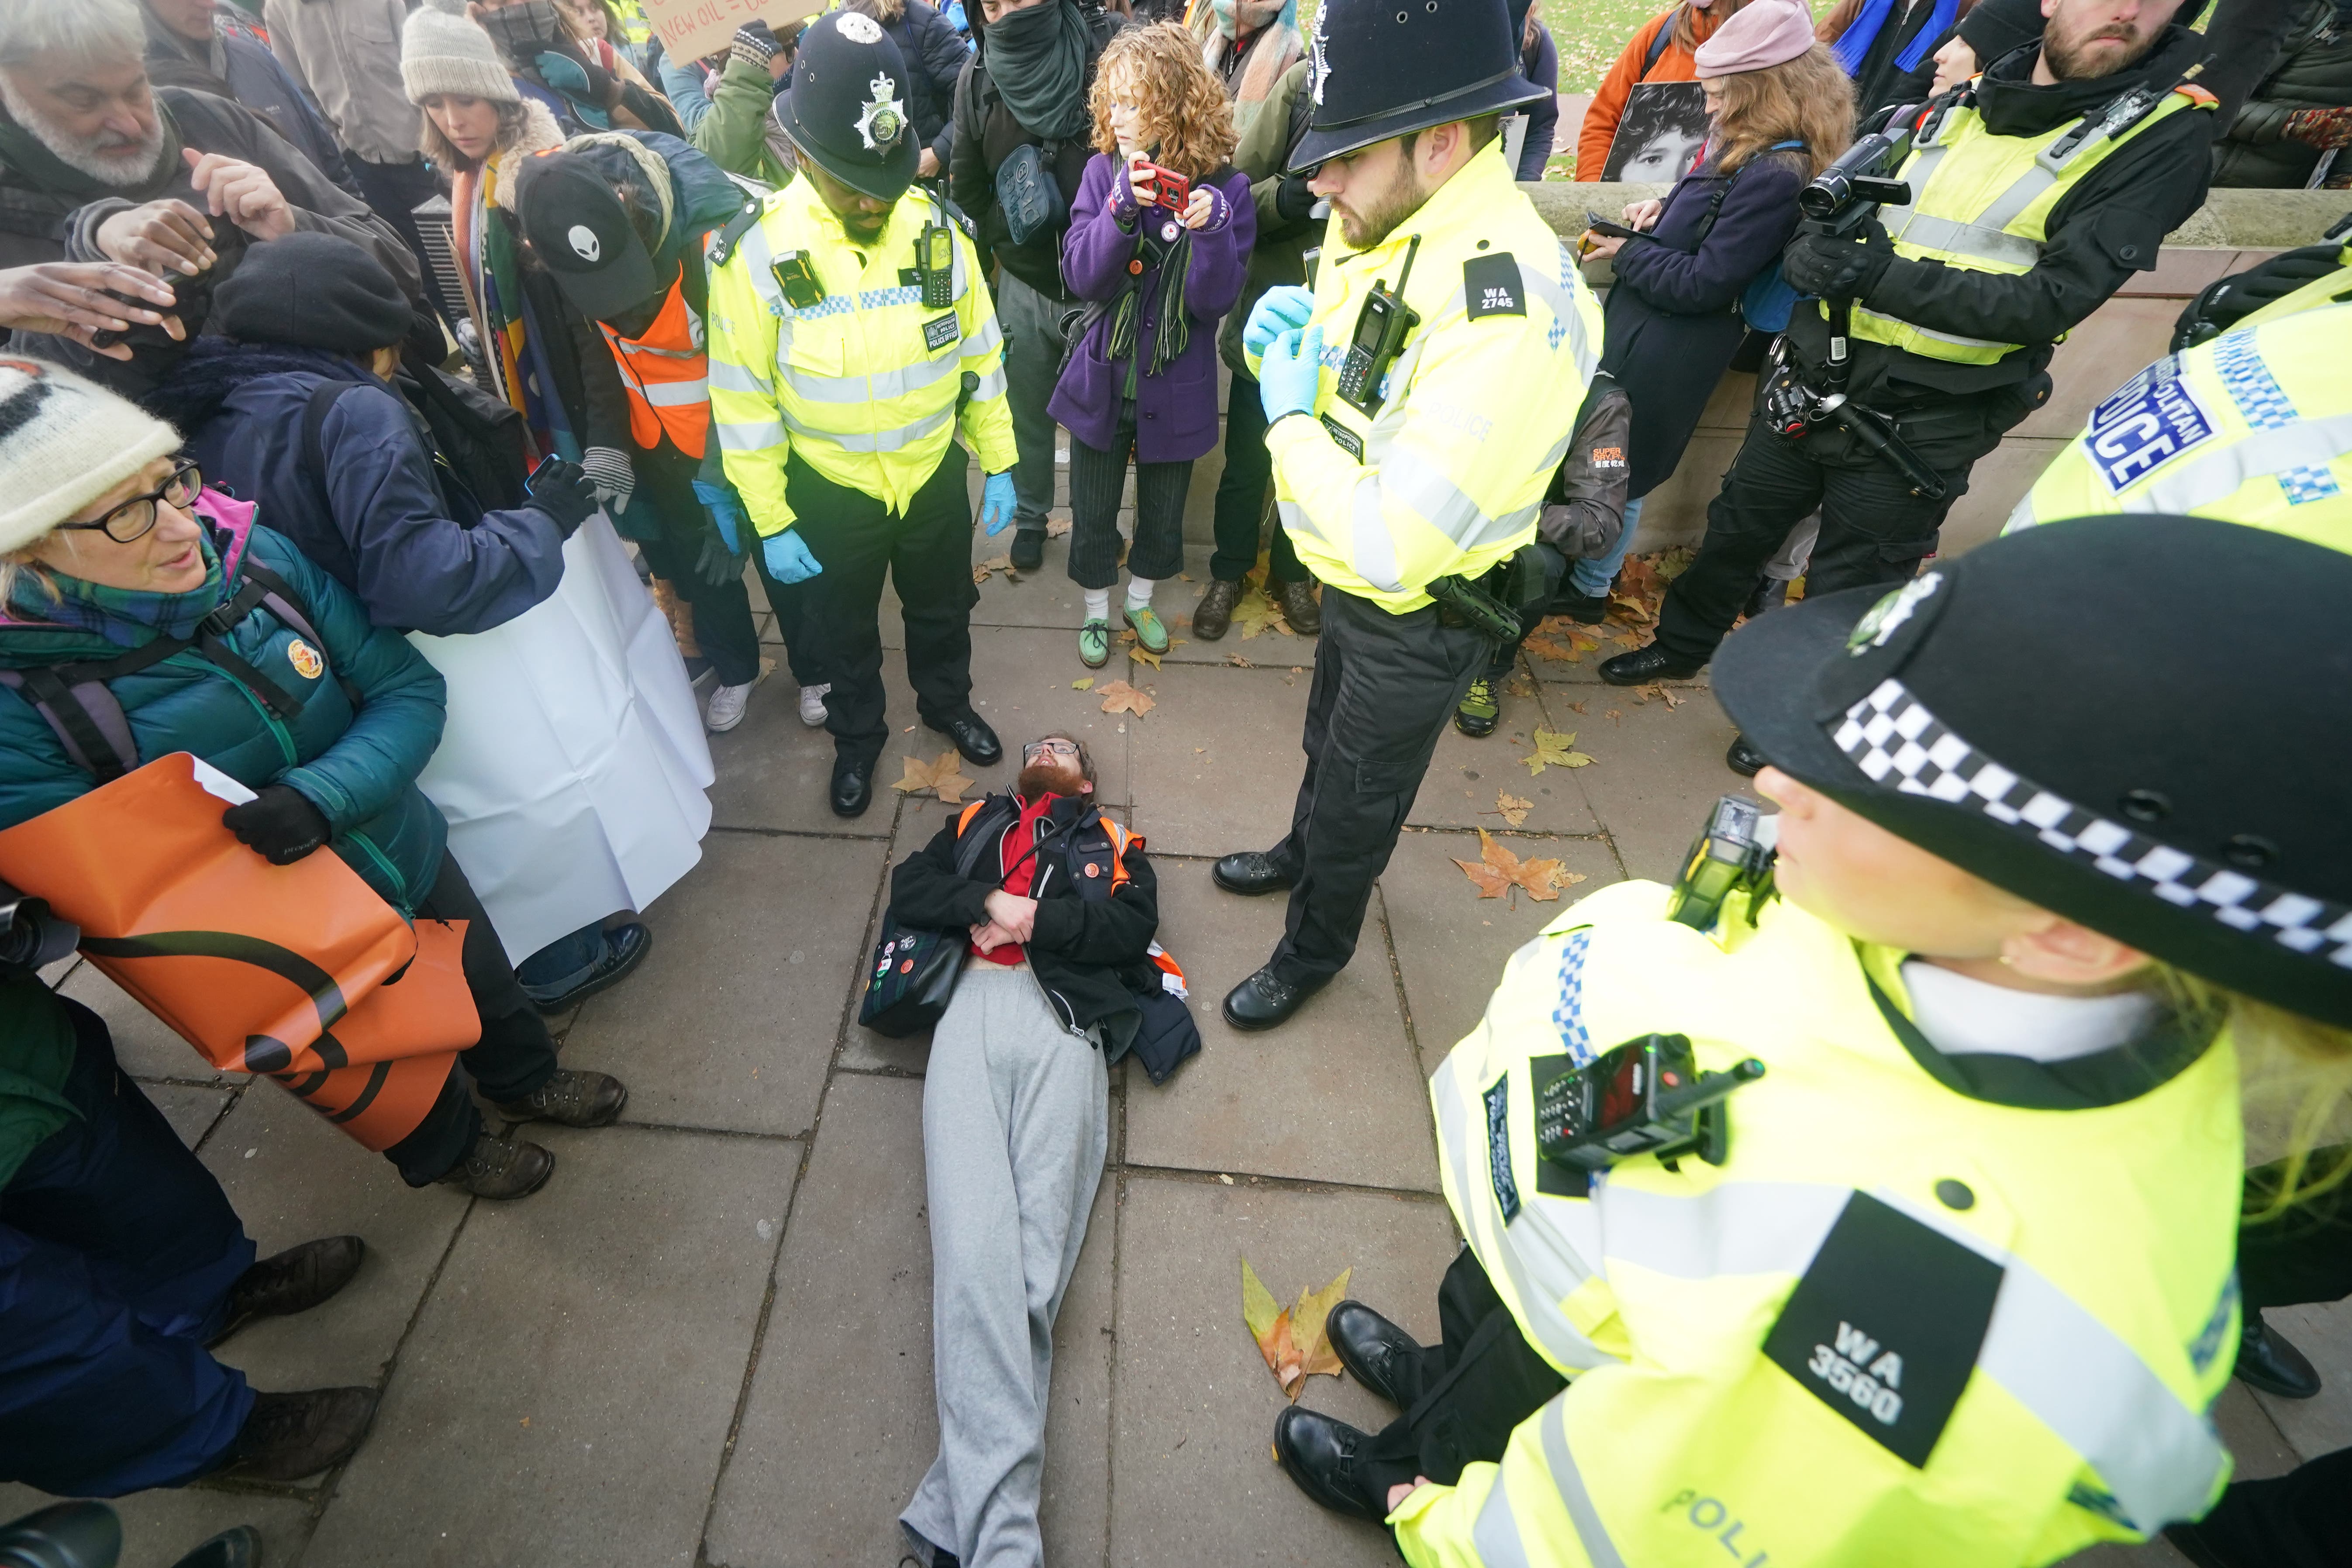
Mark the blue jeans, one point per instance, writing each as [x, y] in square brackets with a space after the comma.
[1592, 577]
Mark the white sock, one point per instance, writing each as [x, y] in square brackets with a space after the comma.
[1138, 591]
[1098, 603]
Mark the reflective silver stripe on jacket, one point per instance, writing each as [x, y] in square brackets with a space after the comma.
[1737, 1227]
[1955, 339]
[1532, 1239]
[990, 385]
[1438, 500]
[1570, 1483]
[980, 341]
[728, 377]
[748, 437]
[1984, 241]
[1495, 1531]
[879, 386]
[2185, 486]
[880, 440]
[674, 394]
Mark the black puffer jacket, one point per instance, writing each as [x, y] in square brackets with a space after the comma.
[1091, 954]
[2313, 70]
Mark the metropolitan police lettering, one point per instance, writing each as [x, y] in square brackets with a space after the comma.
[2152, 419]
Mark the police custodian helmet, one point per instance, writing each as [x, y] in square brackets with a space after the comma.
[2033, 712]
[1379, 69]
[846, 109]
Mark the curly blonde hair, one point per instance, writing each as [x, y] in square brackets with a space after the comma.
[1185, 110]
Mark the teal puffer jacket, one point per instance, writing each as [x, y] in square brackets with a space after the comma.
[358, 767]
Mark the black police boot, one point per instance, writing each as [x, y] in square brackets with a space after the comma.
[2265, 1360]
[291, 1281]
[853, 786]
[1770, 593]
[1744, 759]
[1265, 1000]
[1319, 1454]
[1028, 549]
[625, 947]
[289, 1435]
[1368, 1346]
[237, 1547]
[972, 736]
[1252, 872]
[1644, 665]
[1298, 606]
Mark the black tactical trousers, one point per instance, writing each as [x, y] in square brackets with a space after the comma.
[723, 627]
[1385, 687]
[1873, 529]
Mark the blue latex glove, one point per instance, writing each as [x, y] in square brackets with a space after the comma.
[1279, 310]
[1291, 374]
[997, 503]
[725, 509]
[788, 559]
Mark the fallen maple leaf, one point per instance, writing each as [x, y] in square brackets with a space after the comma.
[1498, 871]
[1308, 1321]
[1119, 696]
[1255, 613]
[1512, 809]
[943, 778]
[1293, 1341]
[1056, 526]
[1135, 649]
[995, 564]
[1552, 751]
[1238, 662]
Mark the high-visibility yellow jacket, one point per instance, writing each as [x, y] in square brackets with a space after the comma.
[1480, 405]
[1932, 1310]
[862, 386]
[2254, 427]
[1982, 202]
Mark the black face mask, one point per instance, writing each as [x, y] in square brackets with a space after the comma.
[523, 31]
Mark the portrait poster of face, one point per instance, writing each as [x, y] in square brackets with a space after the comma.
[1661, 135]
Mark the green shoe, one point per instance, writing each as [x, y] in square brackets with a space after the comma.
[1479, 711]
[1093, 644]
[1148, 629]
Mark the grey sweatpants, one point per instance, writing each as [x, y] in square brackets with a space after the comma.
[1032, 325]
[1015, 1126]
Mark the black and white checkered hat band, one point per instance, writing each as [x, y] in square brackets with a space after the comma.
[1894, 737]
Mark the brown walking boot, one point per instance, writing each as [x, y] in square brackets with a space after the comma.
[1214, 615]
[1298, 605]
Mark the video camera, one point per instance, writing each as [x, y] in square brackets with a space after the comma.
[31, 936]
[1836, 203]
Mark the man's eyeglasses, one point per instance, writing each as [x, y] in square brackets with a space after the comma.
[133, 519]
[1035, 748]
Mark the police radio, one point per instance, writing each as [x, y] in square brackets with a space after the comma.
[1733, 853]
[935, 265]
[1381, 328]
[798, 279]
[1646, 1097]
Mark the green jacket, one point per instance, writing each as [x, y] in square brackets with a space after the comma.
[734, 134]
[37, 1049]
[1281, 247]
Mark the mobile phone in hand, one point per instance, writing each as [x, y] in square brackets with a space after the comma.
[546, 464]
[1601, 226]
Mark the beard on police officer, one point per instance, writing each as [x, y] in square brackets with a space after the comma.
[1399, 200]
[2077, 50]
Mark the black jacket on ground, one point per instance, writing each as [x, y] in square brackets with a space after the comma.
[985, 133]
[1091, 954]
[2106, 228]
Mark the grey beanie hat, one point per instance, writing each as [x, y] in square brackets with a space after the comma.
[442, 50]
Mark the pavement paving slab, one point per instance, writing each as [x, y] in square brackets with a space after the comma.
[159, 1527]
[1217, 762]
[1194, 1481]
[2324, 1333]
[1451, 944]
[565, 1396]
[1466, 776]
[1021, 684]
[1335, 1095]
[145, 1046]
[190, 1111]
[775, 773]
[1657, 770]
[293, 1177]
[731, 1022]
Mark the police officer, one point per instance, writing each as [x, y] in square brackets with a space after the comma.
[851, 336]
[2037, 189]
[622, 222]
[1418, 400]
[1944, 1275]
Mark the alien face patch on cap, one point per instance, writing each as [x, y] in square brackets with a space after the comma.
[882, 120]
[584, 243]
[859, 28]
[1883, 619]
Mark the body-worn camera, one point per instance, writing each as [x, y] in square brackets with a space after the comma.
[1645, 1097]
[935, 265]
[1733, 853]
[798, 279]
[1381, 328]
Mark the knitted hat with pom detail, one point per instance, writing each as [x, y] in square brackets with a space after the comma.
[444, 51]
[64, 442]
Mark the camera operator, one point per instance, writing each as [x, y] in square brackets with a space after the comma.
[2036, 190]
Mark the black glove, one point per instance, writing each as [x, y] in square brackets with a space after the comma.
[1831, 268]
[2222, 305]
[280, 824]
[715, 564]
[1293, 202]
[563, 492]
[755, 43]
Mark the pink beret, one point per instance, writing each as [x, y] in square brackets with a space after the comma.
[1767, 33]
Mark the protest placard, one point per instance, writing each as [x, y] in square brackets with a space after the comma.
[690, 29]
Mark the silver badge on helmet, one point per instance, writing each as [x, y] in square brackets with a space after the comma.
[883, 118]
[1318, 68]
[1880, 622]
[858, 28]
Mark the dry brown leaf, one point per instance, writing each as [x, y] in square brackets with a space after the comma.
[1665, 694]
[1497, 871]
[1512, 808]
[1056, 526]
[1256, 613]
[943, 778]
[1614, 716]
[995, 564]
[1118, 697]
[1238, 662]
[1135, 649]
[1293, 1341]
[1308, 1319]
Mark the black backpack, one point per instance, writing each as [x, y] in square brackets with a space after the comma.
[479, 447]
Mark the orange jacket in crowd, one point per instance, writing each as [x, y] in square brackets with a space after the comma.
[1673, 64]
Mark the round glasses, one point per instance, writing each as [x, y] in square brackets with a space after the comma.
[1035, 748]
[135, 518]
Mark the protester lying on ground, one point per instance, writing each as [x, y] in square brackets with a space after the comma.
[95, 166]
[120, 549]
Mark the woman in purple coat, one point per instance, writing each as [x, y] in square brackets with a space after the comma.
[1159, 264]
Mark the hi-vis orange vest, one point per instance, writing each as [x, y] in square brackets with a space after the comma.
[667, 373]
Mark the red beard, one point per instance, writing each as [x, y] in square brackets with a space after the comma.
[1050, 776]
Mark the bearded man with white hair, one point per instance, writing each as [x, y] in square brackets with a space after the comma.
[98, 166]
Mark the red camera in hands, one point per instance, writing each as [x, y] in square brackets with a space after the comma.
[1169, 188]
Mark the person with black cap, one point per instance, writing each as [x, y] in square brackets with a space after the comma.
[2038, 188]
[1464, 340]
[621, 221]
[840, 374]
[1875, 1198]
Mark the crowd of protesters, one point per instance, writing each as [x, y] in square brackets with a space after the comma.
[487, 484]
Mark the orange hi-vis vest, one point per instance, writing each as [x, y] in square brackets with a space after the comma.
[667, 373]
